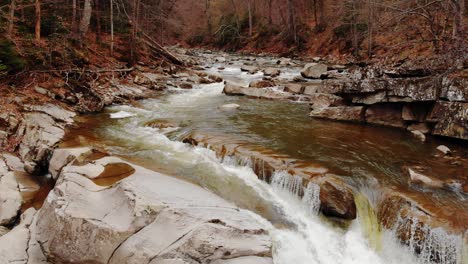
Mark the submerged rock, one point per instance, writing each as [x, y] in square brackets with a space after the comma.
[229, 107]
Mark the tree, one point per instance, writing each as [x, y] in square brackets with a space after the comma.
[11, 19]
[249, 6]
[85, 19]
[291, 31]
[37, 28]
[458, 7]
[73, 23]
[111, 26]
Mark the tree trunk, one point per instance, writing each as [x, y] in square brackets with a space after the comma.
[136, 9]
[11, 19]
[315, 13]
[208, 17]
[85, 19]
[270, 19]
[73, 24]
[98, 20]
[291, 25]
[458, 7]
[37, 28]
[112, 27]
[250, 17]
[370, 24]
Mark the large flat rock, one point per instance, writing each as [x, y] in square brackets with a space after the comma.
[145, 217]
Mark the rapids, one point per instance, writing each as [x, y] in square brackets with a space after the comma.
[371, 155]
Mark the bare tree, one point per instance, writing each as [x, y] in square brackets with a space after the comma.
[37, 28]
[291, 32]
[85, 19]
[249, 7]
[112, 26]
[11, 19]
[458, 7]
[73, 23]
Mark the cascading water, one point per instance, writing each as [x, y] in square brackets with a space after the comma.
[288, 209]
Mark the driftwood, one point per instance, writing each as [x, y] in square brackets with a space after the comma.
[156, 47]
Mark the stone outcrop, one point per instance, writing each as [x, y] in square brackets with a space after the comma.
[438, 103]
[40, 131]
[93, 215]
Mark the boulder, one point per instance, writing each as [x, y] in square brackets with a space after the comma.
[369, 99]
[14, 245]
[220, 59]
[414, 89]
[266, 93]
[185, 85]
[314, 70]
[261, 84]
[385, 114]
[294, 88]
[341, 113]
[444, 149]
[284, 61]
[13, 162]
[320, 101]
[336, 198]
[249, 69]
[423, 127]
[144, 218]
[10, 197]
[229, 107]
[40, 134]
[450, 119]
[272, 72]
[417, 176]
[455, 88]
[63, 156]
[419, 135]
[54, 111]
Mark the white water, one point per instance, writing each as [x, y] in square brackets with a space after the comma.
[299, 235]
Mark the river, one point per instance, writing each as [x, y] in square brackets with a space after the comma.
[366, 157]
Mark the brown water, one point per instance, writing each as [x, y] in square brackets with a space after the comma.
[365, 156]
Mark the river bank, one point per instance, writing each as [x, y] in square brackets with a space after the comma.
[109, 132]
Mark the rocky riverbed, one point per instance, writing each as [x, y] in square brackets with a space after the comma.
[216, 184]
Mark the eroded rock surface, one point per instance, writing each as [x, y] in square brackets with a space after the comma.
[145, 217]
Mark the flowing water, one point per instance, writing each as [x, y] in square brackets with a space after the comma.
[363, 155]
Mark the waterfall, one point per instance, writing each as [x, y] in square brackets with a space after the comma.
[369, 222]
[284, 181]
[433, 245]
[311, 198]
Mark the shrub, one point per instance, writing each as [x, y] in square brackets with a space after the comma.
[10, 60]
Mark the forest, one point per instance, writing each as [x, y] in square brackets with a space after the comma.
[233, 132]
